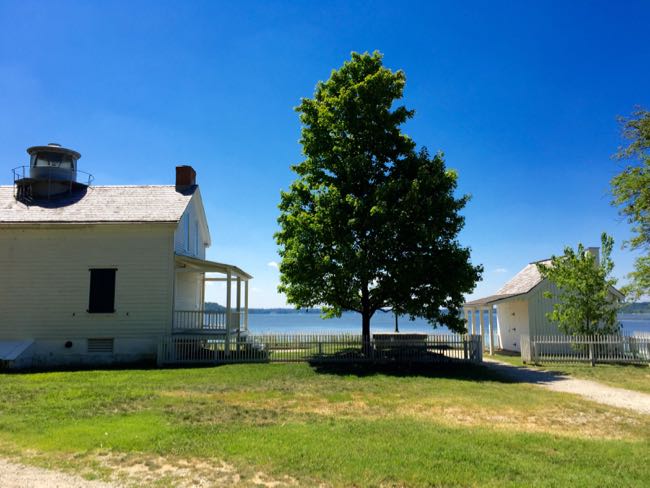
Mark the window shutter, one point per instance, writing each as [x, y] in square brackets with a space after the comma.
[102, 291]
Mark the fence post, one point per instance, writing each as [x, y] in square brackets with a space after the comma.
[525, 348]
[592, 359]
[159, 355]
[533, 350]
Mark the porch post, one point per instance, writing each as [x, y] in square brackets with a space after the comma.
[238, 301]
[238, 312]
[202, 291]
[481, 322]
[491, 329]
[228, 311]
[246, 304]
[473, 311]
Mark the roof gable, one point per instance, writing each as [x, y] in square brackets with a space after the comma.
[520, 284]
[524, 281]
[100, 204]
[203, 220]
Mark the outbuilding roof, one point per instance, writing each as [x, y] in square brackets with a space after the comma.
[520, 284]
[97, 204]
[489, 299]
[524, 281]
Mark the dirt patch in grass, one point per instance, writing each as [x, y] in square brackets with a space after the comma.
[138, 470]
[148, 470]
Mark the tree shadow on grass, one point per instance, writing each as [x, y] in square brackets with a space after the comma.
[457, 370]
[449, 369]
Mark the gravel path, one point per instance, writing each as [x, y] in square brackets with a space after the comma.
[591, 390]
[13, 475]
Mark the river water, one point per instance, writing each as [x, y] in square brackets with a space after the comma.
[350, 322]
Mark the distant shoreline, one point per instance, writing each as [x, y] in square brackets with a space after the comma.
[283, 311]
[629, 308]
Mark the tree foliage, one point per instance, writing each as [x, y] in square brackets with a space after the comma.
[584, 302]
[631, 190]
[370, 222]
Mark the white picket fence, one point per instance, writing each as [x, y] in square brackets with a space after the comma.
[592, 349]
[349, 348]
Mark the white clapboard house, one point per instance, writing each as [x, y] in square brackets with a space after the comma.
[100, 274]
[520, 306]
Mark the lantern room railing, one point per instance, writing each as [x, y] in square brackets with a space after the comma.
[52, 174]
[36, 183]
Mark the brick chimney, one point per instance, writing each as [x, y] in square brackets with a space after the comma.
[185, 177]
[595, 251]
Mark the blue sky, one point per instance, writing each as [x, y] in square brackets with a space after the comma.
[522, 97]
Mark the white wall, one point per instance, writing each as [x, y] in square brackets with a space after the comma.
[45, 281]
[190, 238]
[539, 306]
[512, 319]
[187, 295]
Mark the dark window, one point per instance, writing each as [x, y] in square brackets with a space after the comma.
[102, 291]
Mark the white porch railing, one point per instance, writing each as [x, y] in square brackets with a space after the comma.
[208, 321]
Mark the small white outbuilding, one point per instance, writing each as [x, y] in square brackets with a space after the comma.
[520, 306]
[99, 274]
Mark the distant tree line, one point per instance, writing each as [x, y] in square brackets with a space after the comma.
[638, 307]
[217, 307]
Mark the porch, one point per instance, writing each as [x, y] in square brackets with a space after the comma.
[511, 320]
[208, 322]
[190, 315]
[476, 325]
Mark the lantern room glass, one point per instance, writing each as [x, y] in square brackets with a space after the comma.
[52, 159]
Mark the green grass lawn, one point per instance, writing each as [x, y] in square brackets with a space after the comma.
[244, 424]
[630, 376]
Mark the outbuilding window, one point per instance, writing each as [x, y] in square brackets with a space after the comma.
[102, 291]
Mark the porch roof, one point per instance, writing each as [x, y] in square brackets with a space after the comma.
[211, 266]
[489, 300]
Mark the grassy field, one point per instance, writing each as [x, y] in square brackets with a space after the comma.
[631, 376]
[291, 424]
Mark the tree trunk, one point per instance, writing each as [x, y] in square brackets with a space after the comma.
[365, 319]
[365, 331]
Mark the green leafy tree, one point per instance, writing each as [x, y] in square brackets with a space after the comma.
[584, 302]
[370, 222]
[631, 190]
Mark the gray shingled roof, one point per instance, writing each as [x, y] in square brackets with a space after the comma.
[520, 284]
[100, 204]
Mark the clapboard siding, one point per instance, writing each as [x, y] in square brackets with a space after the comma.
[45, 280]
[539, 306]
[188, 291]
